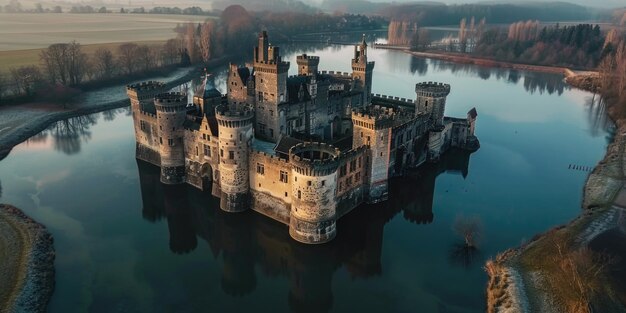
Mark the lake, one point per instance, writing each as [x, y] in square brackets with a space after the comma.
[126, 243]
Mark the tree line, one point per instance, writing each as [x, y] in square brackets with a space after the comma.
[612, 68]
[580, 46]
[64, 66]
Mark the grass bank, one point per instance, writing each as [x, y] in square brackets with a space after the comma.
[27, 267]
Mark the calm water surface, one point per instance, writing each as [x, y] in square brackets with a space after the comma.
[126, 243]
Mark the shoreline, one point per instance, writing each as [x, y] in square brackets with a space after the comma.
[31, 127]
[31, 268]
[602, 203]
[578, 79]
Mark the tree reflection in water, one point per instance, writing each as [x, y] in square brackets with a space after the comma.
[69, 133]
[597, 114]
[249, 240]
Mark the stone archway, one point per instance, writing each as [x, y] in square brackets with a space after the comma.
[206, 172]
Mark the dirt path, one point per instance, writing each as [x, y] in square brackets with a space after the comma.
[27, 267]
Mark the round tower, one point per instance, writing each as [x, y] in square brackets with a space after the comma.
[313, 209]
[235, 139]
[431, 99]
[171, 109]
[142, 94]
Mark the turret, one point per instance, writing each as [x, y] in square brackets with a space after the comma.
[362, 71]
[372, 127]
[270, 83]
[431, 99]
[207, 97]
[142, 95]
[307, 65]
[235, 140]
[313, 208]
[171, 111]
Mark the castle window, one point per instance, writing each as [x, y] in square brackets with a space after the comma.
[359, 162]
[342, 171]
[207, 150]
[170, 142]
[222, 153]
[197, 153]
[262, 129]
[299, 194]
[349, 181]
[357, 177]
[161, 140]
[285, 194]
[231, 155]
[260, 96]
[271, 133]
[260, 169]
[142, 125]
[361, 134]
[284, 177]
[352, 166]
[323, 183]
[308, 183]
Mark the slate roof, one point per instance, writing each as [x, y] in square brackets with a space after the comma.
[294, 85]
[285, 143]
[472, 113]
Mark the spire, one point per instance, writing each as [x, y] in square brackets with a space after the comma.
[363, 42]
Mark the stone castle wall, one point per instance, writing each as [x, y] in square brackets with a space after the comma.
[270, 184]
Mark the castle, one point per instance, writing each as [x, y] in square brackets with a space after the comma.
[304, 150]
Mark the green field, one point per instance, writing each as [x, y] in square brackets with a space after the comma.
[33, 31]
[17, 58]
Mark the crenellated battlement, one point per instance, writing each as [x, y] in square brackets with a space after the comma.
[145, 113]
[379, 117]
[337, 74]
[432, 89]
[146, 86]
[352, 153]
[314, 158]
[170, 98]
[270, 158]
[230, 117]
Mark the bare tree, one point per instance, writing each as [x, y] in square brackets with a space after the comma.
[171, 51]
[25, 79]
[470, 228]
[128, 55]
[77, 63]
[54, 59]
[463, 35]
[190, 43]
[205, 40]
[104, 63]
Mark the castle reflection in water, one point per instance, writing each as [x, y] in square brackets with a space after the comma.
[246, 240]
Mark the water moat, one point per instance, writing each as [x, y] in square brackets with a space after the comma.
[126, 242]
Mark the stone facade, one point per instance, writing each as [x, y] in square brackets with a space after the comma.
[335, 144]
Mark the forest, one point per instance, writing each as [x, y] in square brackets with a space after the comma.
[579, 46]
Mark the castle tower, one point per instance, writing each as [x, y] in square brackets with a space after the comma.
[235, 139]
[142, 105]
[431, 99]
[372, 127]
[142, 95]
[313, 208]
[171, 112]
[207, 97]
[307, 65]
[270, 81]
[237, 85]
[362, 71]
